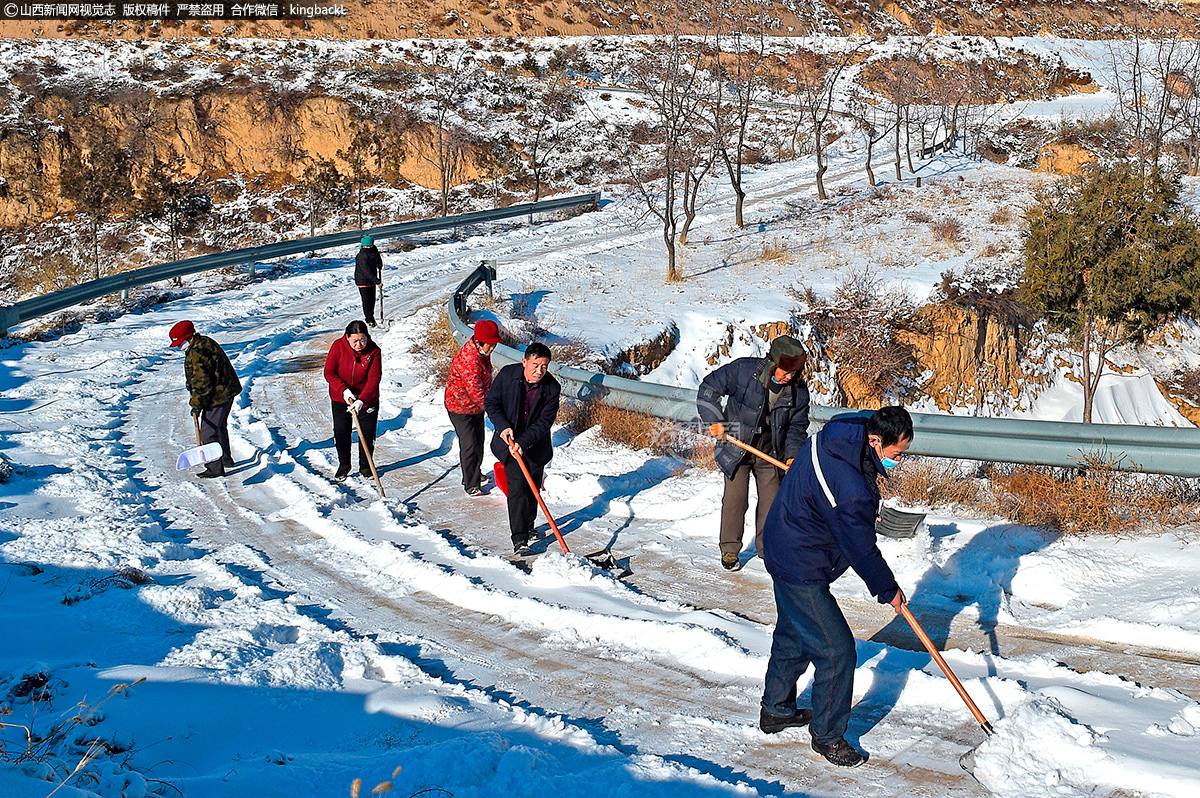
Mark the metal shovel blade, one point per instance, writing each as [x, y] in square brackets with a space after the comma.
[896, 523]
[608, 561]
[198, 456]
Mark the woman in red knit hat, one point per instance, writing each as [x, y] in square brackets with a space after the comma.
[468, 383]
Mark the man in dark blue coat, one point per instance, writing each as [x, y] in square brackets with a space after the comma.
[766, 406]
[522, 404]
[823, 522]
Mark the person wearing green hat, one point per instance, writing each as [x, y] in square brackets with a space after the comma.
[368, 273]
[761, 401]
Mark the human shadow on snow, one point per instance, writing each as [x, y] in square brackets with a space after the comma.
[994, 555]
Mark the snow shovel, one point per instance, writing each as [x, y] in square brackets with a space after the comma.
[967, 760]
[601, 559]
[383, 322]
[501, 477]
[363, 443]
[203, 453]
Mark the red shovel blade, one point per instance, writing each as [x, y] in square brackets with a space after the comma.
[501, 478]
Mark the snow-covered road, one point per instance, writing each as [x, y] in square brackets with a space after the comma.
[294, 593]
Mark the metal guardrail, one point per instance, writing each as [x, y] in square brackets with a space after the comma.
[27, 309]
[1156, 450]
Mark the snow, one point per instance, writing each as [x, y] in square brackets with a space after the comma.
[295, 634]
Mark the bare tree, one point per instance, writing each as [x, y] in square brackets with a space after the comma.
[741, 83]
[97, 181]
[450, 80]
[358, 155]
[699, 156]
[872, 122]
[173, 204]
[548, 125]
[324, 190]
[817, 82]
[898, 82]
[673, 91]
[1148, 77]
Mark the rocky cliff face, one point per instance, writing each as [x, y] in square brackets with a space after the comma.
[222, 133]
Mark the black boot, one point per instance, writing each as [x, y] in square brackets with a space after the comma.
[773, 724]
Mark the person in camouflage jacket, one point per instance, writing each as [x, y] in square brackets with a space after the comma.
[213, 385]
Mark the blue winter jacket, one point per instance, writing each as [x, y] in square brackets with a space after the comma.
[815, 530]
[741, 381]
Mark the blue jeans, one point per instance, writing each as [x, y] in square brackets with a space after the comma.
[810, 628]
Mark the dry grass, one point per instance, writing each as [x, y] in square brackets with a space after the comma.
[435, 345]
[948, 230]
[640, 432]
[930, 482]
[1094, 498]
[1002, 215]
[776, 251]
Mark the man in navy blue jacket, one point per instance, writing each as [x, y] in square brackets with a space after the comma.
[522, 404]
[822, 523]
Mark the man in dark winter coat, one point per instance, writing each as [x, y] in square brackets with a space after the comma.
[823, 522]
[213, 385]
[767, 408]
[522, 405]
[368, 273]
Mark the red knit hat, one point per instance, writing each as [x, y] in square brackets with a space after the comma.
[181, 332]
[486, 332]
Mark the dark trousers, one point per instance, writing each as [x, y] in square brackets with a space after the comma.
[737, 498]
[469, 429]
[522, 504]
[214, 428]
[368, 299]
[810, 628]
[343, 423]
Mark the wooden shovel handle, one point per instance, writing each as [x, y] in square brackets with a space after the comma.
[937, 657]
[363, 443]
[713, 431]
[537, 494]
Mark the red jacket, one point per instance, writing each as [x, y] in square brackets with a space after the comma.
[469, 380]
[358, 371]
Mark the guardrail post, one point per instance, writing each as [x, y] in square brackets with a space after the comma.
[489, 274]
[252, 267]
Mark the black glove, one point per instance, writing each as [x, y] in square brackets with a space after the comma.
[196, 411]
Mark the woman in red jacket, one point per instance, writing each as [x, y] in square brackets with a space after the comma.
[469, 380]
[353, 369]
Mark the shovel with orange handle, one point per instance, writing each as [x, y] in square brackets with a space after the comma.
[601, 559]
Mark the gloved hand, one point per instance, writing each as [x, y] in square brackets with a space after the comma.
[348, 395]
[356, 405]
[196, 411]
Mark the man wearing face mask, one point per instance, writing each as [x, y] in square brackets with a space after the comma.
[821, 524]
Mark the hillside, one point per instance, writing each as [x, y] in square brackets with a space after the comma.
[397, 19]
